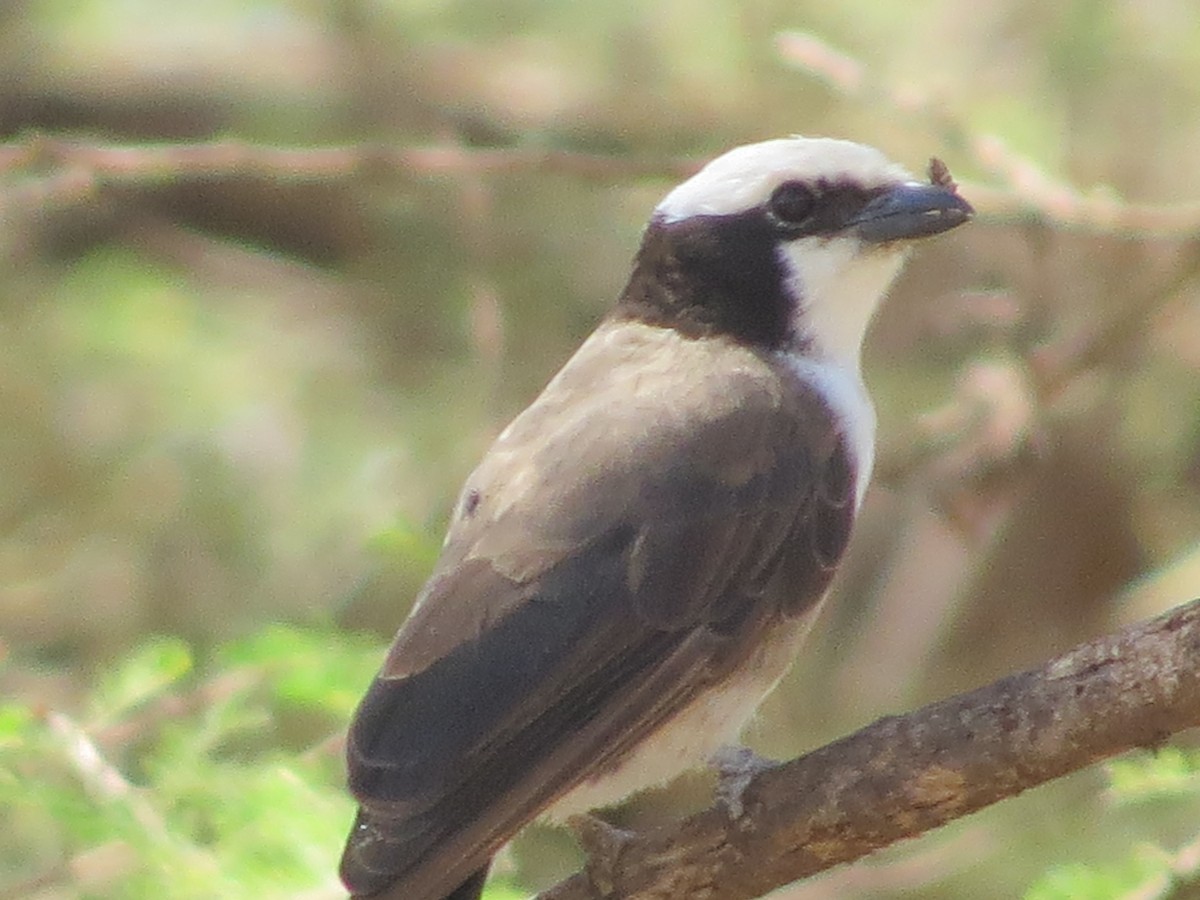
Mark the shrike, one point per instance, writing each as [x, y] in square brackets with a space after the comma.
[636, 560]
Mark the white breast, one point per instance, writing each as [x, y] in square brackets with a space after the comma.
[843, 389]
[692, 736]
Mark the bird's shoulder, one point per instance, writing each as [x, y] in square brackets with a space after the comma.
[638, 406]
[674, 447]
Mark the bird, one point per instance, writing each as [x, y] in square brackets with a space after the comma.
[636, 560]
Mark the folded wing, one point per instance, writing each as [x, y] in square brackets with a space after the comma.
[569, 617]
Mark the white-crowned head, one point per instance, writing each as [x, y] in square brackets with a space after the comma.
[788, 243]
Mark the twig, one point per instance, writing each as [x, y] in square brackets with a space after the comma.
[62, 171]
[100, 777]
[1029, 193]
[59, 171]
[105, 783]
[1055, 366]
[903, 776]
[169, 707]
[32, 886]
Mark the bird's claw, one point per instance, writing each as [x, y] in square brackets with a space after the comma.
[736, 768]
[603, 844]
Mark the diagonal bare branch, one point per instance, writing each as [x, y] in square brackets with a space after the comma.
[905, 775]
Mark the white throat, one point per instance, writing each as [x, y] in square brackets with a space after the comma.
[838, 286]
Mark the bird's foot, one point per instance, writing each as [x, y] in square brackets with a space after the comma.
[603, 844]
[736, 768]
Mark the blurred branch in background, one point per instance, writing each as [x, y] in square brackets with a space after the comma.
[52, 171]
[1027, 192]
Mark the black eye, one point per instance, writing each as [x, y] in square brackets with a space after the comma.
[792, 203]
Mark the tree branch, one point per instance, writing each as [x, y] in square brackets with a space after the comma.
[905, 775]
[58, 171]
[48, 171]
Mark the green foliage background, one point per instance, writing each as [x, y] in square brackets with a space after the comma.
[236, 409]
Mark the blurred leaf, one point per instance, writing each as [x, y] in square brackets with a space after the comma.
[201, 805]
[15, 722]
[407, 545]
[1169, 773]
[501, 889]
[148, 671]
[323, 670]
[1145, 874]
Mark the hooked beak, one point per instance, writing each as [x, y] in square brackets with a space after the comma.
[911, 211]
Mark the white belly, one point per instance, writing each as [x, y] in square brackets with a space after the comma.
[690, 738]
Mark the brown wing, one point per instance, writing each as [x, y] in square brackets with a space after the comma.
[571, 615]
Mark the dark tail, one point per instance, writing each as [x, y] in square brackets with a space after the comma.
[472, 888]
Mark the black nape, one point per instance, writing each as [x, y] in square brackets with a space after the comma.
[712, 276]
